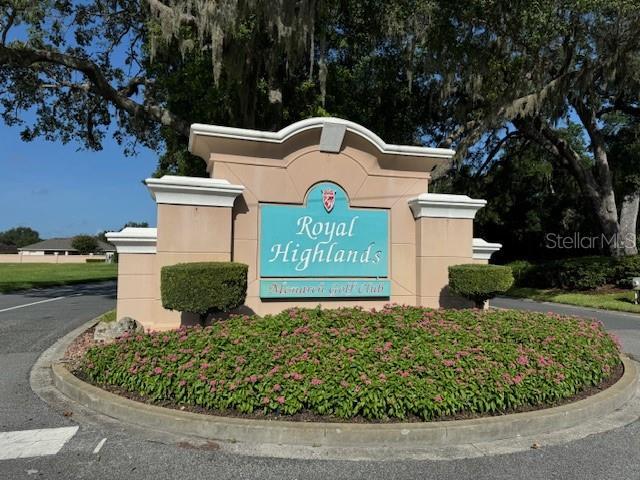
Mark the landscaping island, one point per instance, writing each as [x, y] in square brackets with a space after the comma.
[397, 364]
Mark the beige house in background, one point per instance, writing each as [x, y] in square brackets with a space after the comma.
[219, 218]
[61, 246]
[56, 250]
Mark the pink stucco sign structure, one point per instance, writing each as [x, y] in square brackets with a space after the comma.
[219, 218]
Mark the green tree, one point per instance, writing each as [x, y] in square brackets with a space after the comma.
[473, 74]
[19, 236]
[528, 70]
[85, 244]
[532, 201]
[240, 63]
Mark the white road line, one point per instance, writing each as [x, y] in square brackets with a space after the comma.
[34, 443]
[32, 303]
[99, 446]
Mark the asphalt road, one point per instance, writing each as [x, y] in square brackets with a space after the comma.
[128, 453]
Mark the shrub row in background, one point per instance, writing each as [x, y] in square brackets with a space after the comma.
[581, 273]
[390, 364]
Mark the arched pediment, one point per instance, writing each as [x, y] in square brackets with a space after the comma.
[330, 135]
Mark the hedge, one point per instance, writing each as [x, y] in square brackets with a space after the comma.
[204, 287]
[395, 363]
[580, 273]
[479, 282]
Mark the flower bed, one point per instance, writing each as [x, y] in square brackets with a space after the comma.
[397, 363]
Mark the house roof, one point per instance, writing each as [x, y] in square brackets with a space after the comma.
[63, 244]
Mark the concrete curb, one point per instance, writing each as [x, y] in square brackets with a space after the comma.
[343, 435]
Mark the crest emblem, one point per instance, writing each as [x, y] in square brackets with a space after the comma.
[328, 199]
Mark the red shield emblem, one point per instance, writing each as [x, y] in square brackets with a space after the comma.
[328, 199]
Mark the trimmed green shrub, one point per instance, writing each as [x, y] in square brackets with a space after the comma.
[95, 260]
[479, 282]
[203, 288]
[394, 363]
[625, 269]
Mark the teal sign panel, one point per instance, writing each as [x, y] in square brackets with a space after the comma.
[323, 239]
[329, 288]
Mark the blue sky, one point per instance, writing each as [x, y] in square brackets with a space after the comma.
[60, 191]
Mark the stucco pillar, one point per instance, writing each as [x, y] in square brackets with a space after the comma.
[136, 249]
[194, 225]
[444, 237]
[483, 250]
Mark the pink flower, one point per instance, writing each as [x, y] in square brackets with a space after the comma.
[182, 383]
[544, 362]
[559, 377]
[253, 378]
[316, 381]
[280, 399]
[438, 399]
[157, 370]
[265, 400]
[382, 377]
[344, 384]
[523, 360]
[517, 379]
[296, 376]
[448, 363]
[277, 387]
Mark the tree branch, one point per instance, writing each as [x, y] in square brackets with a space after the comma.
[19, 57]
[542, 134]
[8, 26]
[588, 118]
[495, 150]
[618, 106]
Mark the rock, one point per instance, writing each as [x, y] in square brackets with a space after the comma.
[108, 331]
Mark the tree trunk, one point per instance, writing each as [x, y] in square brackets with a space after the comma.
[628, 222]
[606, 212]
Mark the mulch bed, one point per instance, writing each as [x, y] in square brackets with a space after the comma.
[85, 341]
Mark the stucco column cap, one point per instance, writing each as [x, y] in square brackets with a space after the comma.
[134, 240]
[482, 250]
[209, 192]
[445, 205]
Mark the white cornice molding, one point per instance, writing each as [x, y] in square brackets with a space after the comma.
[134, 240]
[198, 129]
[444, 205]
[482, 250]
[209, 192]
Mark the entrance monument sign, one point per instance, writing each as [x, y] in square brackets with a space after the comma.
[322, 212]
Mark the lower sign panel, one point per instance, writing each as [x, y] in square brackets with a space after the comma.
[327, 288]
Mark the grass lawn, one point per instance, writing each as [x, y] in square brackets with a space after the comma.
[20, 276]
[611, 299]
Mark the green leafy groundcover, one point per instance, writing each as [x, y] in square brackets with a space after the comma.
[394, 363]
